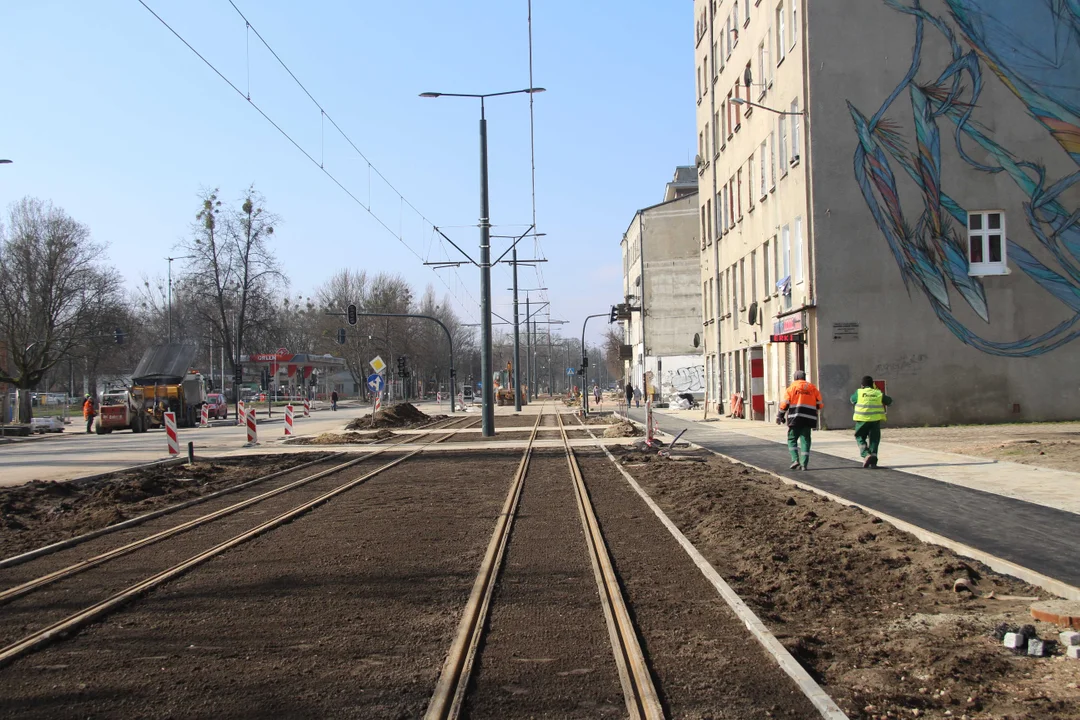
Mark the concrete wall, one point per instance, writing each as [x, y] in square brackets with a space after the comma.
[671, 282]
[952, 348]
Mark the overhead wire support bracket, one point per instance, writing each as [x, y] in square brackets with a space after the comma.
[517, 239]
[467, 256]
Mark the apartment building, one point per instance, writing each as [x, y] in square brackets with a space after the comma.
[889, 189]
[660, 280]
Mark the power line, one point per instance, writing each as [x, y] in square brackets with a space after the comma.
[331, 176]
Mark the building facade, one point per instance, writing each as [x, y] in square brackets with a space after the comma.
[660, 280]
[889, 189]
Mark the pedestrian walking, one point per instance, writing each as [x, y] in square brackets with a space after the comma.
[637, 396]
[333, 400]
[88, 413]
[629, 395]
[870, 404]
[596, 393]
[800, 407]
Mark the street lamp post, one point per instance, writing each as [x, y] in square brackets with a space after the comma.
[170, 259]
[487, 392]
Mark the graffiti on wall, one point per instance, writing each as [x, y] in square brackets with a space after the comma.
[1033, 48]
[690, 379]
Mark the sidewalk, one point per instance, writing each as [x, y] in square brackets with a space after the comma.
[1025, 516]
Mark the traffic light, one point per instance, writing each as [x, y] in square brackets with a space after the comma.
[352, 314]
[119, 335]
[341, 336]
[614, 317]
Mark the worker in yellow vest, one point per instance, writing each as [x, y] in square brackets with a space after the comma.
[870, 404]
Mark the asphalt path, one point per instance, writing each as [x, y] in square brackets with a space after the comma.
[74, 453]
[1039, 538]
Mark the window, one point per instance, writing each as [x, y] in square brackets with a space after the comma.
[781, 123]
[765, 267]
[753, 276]
[738, 109]
[718, 228]
[709, 298]
[738, 194]
[730, 114]
[701, 149]
[705, 157]
[746, 12]
[703, 226]
[718, 137]
[735, 21]
[781, 46]
[705, 72]
[793, 32]
[698, 84]
[716, 57]
[762, 55]
[709, 224]
[797, 258]
[796, 151]
[750, 183]
[724, 226]
[986, 243]
[731, 199]
[705, 300]
[720, 296]
[785, 234]
[734, 296]
[762, 151]
[727, 34]
[772, 161]
[742, 284]
[776, 264]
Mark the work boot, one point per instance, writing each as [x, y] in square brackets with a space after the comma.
[873, 461]
[867, 460]
[796, 465]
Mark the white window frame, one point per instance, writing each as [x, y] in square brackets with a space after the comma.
[797, 248]
[783, 140]
[772, 161]
[765, 258]
[781, 23]
[764, 150]
[794, 30]
[785, 236]
[982, 236]
[750, 182]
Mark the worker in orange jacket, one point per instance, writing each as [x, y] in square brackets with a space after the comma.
[801, 405]
[88, 413]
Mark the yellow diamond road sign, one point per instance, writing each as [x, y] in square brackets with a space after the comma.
[377, 364]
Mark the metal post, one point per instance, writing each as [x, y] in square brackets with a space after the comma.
[170, 299]
[516, 383]
[487, 392]
[528, 350]
[551, 363]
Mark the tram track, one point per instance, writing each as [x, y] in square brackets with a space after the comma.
[262, 504]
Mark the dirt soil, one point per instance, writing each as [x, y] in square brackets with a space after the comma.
[402, 415]
[1048, 445]
[39, 513]
[869, 610]
[623, 429]
[346, 438]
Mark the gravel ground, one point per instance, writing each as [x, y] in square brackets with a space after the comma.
[1049, 445]
[546, 652]
[40, 513]
[705, 663]
[347, 612]
[870, 611]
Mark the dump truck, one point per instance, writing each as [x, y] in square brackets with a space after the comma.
[165, 382]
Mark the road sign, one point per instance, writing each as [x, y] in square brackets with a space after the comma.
[571, 371]
[377, 364]
[375, 383]
[282, 351]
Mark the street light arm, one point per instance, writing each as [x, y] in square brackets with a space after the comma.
[740, 101]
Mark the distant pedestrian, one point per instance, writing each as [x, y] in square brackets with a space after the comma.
[800, 407]
[333, 400]
[629, 395]
[637, 396]
[596, 393]
[88, 413]
[870, 404]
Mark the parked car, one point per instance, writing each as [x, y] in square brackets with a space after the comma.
[218, 408]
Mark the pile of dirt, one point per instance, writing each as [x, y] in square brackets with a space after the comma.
[870, 611]
[347, 438]
[623, 429]
[38, 513]
[401, 415]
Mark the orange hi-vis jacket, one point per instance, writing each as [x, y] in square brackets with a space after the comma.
[88, 409]
[801, 403]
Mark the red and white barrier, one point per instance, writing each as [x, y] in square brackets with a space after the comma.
[378, 403]
[438, 398]
[241, 413]
[204, 421]
[648, 422]
[288, 421]
[170, 433]
[307, 407]
[252, 430]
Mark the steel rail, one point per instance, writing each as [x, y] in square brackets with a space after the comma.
[639, 692]
[72, 623]
[449, 695]
[26, 588]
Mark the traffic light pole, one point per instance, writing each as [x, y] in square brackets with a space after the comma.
[585, 366]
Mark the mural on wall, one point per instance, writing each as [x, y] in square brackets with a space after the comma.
[689, 379]
[1033, 47]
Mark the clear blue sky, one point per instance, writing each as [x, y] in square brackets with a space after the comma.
[111, 117]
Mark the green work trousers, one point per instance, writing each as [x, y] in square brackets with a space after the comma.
[798, 443]
[868, 435]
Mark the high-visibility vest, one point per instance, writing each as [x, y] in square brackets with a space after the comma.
[869, 406]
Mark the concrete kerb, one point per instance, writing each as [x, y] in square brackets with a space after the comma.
[820, 699]
[993, 562]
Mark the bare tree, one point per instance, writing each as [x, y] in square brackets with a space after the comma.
[52, 293]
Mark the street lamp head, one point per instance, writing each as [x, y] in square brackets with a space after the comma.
[738, 101]
[5, 161]
[430, 94]
[533, 91]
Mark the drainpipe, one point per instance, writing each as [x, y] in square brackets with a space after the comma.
[716, 241]
[644, 345]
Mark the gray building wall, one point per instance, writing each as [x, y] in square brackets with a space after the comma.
[943, 362]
